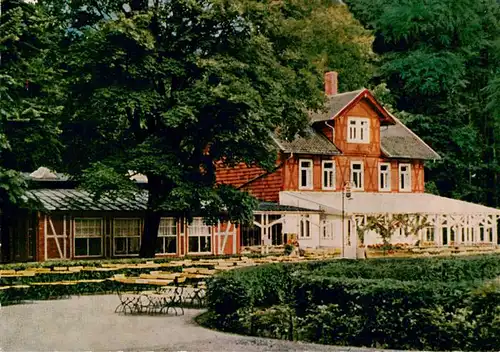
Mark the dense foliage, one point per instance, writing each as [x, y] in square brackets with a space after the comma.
[174, 89]
[424, 304]
[29, 101]
[440, 59]
[28, 95]
[167, 89]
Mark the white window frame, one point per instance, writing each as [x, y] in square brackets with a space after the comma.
[362, 176]
[387, 175]
[305, 228]
[309, 174]
[327, 230]
[407, 183]
[358, 130]
[195, 230]
[115, 236]
[167, 230]
[329, 173]
[88, 237]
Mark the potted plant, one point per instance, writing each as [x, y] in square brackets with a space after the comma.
[292, 247]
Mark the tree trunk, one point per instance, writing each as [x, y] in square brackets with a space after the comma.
[5, 224]
[151, 221]
[150, 235]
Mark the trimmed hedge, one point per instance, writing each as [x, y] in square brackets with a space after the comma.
[12, 290]
[79, 275]
[44, 292]
[448, 269]
[361, 303]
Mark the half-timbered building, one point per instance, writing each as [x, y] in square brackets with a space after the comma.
[356, 175]
[362, 170]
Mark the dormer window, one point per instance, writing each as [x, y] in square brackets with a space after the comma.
[358, 130]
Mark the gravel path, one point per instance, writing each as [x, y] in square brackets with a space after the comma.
[88, 323]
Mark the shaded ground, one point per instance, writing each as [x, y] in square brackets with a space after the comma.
[88, 323]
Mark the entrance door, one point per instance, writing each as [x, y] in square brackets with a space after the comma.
[350, 239]
[23, 237]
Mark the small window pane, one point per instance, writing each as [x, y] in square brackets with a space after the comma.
[94, 246]
[133, 245]
[205, 244]
[160, 245]
[304, 178]
[80, 246]
[194, 244]
[171, 245]
[120, 245]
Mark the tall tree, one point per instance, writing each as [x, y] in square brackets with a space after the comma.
[28, 100]
[437, 57]
[169, 88]
[334, 40]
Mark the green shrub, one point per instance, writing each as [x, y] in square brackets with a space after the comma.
[226, 295]
[392, 312]
[485, 308]
[369, 303]
[275, 322]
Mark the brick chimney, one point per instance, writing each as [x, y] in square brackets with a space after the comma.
[331, 83]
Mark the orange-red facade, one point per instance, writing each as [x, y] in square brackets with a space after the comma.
[55, 236]
[267, 186]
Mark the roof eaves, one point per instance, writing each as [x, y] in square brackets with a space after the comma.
[278, 143]
[385, 152]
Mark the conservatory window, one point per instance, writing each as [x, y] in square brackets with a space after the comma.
[126, 236]
[305, 227]
[429, 234]
[327, 229]
[88, 237]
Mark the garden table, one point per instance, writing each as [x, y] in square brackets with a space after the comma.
[130, 303]
[161, 301]
[26, 273]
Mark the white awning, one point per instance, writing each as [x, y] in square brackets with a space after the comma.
[383, 203]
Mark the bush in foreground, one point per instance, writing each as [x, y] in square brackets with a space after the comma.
[370, 303]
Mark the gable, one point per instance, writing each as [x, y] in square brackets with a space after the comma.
[338, 104]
